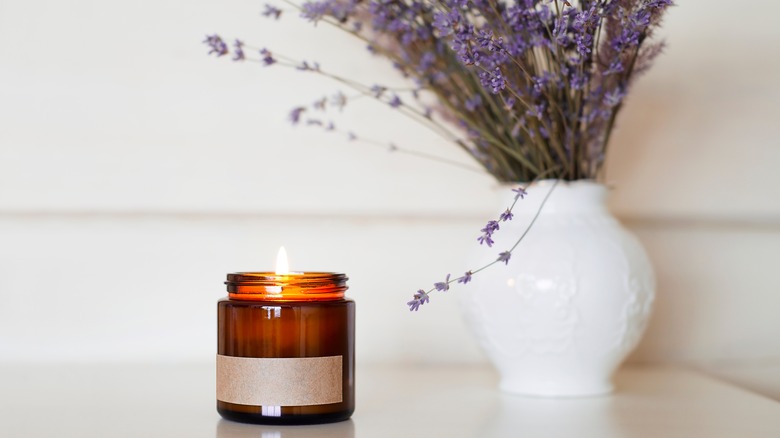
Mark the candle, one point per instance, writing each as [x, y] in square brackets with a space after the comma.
[286, 347]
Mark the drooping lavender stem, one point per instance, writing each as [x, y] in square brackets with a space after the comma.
[502, 257]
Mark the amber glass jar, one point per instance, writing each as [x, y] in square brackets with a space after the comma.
[286, 348]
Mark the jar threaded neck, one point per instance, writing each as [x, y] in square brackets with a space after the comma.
[296, 286]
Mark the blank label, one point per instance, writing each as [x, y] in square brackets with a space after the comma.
[301, 381]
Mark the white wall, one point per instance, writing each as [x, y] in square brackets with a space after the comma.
[135, 172]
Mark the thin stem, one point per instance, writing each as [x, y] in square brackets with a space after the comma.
[394, 148]
[538, 212]
[405, 109]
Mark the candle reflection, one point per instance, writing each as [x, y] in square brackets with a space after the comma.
[271, 411]
[272, 312]
[229, 429]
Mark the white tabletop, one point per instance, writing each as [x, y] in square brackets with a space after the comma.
[177, 400]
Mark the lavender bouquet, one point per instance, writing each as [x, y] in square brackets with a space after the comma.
[530, 89]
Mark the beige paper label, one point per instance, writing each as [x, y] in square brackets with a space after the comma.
[279, 381]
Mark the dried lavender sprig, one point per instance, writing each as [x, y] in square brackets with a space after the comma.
[355, 32]
[420, 298]
[272, 11]
[409, 111]
[392, 147]
[504, 256]
[362, 88]
[340, 100]
[440, 129]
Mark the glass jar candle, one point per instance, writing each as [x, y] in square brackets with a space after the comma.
[286, 348]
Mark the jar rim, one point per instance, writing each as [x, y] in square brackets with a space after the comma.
[295, 286]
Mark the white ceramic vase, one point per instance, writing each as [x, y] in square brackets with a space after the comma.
[573, 300]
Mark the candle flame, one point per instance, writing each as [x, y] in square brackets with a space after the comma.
[282, 265]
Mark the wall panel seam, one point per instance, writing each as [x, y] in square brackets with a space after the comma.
[758, 222]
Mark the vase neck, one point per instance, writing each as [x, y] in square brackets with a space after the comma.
[566, 197]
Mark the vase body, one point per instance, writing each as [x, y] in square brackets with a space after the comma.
[573, 300]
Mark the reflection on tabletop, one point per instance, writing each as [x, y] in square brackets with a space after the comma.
[230, 429]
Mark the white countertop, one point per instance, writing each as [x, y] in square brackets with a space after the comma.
[177, 400]
[760, 376]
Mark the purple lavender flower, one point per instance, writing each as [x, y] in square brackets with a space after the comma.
[470, 57]
[445, 23]
[443, 286]
[426, 62]
[487, 40]
[519, 193]
[267, 57]
[272, 12]
[509, 103]
[473, 102]
[584, 25]
[584, 43]
[626, 39]
[316, 11]
[465, 278]
[306, 66]
[506, 215]
[420, 298]
[540, 83]
[487, 233]
[583, 18]
[560, 31]
[493, 80]
[295, 114]
[614, 67]
[504, 257]
[578, 80]
[238, 51]
[536, 111]
[216, 44]
[614, 98]
[378, 90]
[657, 6]
[320, 104]
[395, 102]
